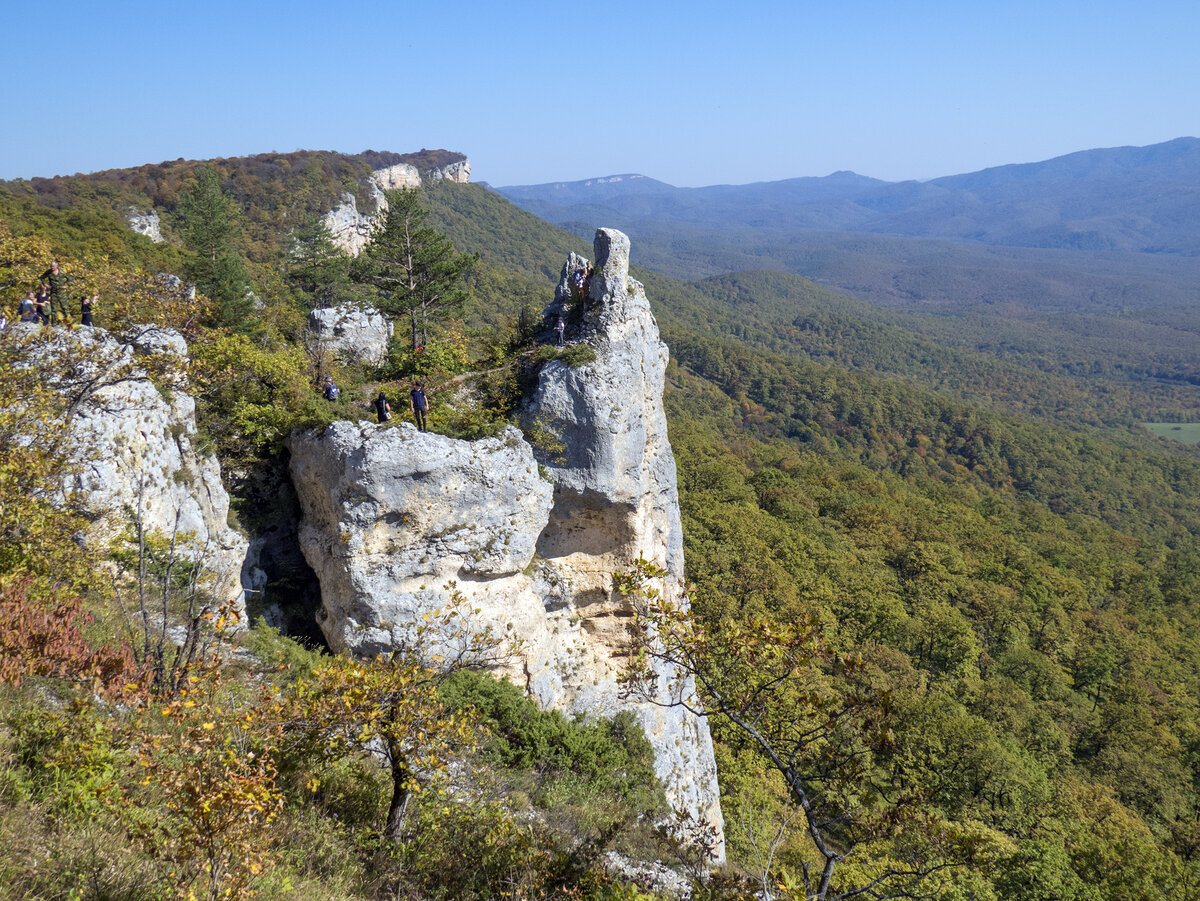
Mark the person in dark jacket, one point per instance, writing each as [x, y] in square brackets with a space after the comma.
[382, 408]
[419, 404]
[85, 310]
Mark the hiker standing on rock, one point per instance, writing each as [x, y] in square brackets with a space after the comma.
[419, 404]
[86, 304]
[58, 282]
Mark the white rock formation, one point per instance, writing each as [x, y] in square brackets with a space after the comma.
[392, 516]
[459, 172]
[401, 175]
[130, 437]
[352, 230]
[147, 224]
[353, 333]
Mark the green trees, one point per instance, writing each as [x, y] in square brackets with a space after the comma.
[209, 224]
[413, 269]
[317, 267]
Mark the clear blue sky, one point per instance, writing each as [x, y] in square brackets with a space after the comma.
[691, 93]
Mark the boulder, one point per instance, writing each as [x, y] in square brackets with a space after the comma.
[393, 515]
[353, 333]
[146, 223]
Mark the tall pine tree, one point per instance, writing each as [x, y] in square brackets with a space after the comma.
[412, 268]
[316, 266]
[211, 229]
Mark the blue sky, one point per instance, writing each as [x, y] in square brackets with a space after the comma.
[691, 93]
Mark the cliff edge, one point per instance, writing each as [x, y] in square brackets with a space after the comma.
[392, 516]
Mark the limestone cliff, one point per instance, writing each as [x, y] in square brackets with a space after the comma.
[392, 516]
[134, 440]
[352, 229]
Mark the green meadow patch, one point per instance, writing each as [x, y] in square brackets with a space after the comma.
[1187, 432]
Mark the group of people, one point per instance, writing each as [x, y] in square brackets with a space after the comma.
[418, 401]
[51, 302]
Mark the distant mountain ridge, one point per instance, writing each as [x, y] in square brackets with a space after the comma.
[1141, 199]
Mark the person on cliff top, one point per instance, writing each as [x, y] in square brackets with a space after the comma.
[41, 306]
[27, 308]
[58, 282]
[419, 404]
[559, 328]
[382, 408]
[329, 389]
[85, 310]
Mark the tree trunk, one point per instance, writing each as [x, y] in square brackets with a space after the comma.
[398, 807]
[396, 811]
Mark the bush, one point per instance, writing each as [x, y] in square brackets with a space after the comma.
[579, 758]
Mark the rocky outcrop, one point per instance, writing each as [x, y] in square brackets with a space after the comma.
[134, 440]
[401, 175]
[459, 172]
[351, 229]
[393, 516]
[355, 334]
[147, 224]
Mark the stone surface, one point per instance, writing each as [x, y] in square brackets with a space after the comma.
[354, 333]
[352, 230]
[459, 172]
[147, 224]
[349, 229]
[401, 175]
[392, 516]
[131, 437]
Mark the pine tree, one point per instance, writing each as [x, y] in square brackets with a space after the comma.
[413, 268]
[209, 222]
[317, 267]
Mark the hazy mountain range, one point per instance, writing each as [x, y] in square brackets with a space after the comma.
[1144, 199]
[1112, 231]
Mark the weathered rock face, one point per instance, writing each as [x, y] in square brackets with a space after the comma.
[352, 230]
[616, 498]
[459, 172]
[391, 516]
[135, 444]
[401, 175]
[353, 333]
[147, 224]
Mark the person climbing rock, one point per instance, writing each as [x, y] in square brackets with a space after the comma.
[382, 408]
[419, 404]
[58, 282]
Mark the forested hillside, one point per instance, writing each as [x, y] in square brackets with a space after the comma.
[999, 566]
[1024, 588]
